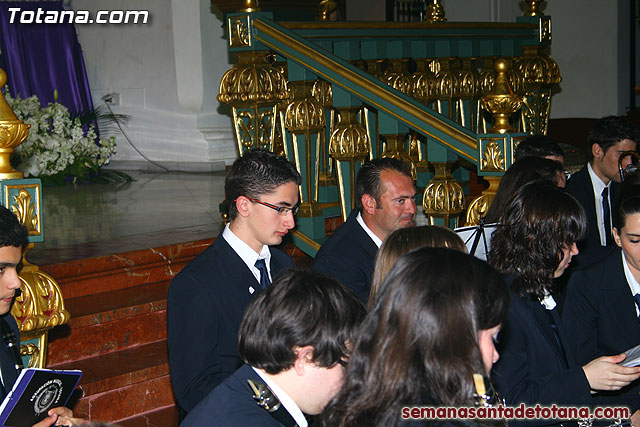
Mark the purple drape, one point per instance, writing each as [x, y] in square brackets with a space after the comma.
[39, 58]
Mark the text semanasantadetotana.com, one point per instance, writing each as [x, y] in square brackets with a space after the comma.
[521, 412]
[41, 16]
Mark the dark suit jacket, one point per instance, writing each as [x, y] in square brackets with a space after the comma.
[532, 368]
[581, 187]
[204, 308]
[348, 256]
[231, 404]
[9, 372]
[600, 313]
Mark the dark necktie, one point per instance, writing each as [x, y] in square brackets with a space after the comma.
[264, 275]
[556, 334]
[606, 215]
[636, 298]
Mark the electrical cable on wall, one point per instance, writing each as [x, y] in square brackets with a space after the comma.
[108, 99]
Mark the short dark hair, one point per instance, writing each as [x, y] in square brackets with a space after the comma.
[627, 203]
[539, 221]
[528, 169]
[610, 130]
[257, 172]
[12, 231]
[537, 146]
[301, 308]
[368, 180]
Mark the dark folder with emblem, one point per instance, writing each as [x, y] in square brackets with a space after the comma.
[34, 393]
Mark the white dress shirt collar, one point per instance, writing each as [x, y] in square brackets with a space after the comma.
[248, 255]
[371, 234]
[548, 302]
[598, 186]
[285, 399]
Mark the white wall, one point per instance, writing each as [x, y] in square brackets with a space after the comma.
[166, 73]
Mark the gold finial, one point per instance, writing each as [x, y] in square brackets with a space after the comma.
[326, 9]
[6, 113]
[501, 101]
[250, 6]
[435, 12]
[535, 7]
[12, 133]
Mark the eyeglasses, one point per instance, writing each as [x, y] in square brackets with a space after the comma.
[282, 211]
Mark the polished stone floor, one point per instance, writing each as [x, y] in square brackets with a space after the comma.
[155, 209]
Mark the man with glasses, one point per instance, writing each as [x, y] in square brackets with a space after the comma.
[207, 299]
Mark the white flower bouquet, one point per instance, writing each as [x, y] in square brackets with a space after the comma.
[57, 148]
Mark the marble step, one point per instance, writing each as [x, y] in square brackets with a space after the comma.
[162, 417]
[123, 383]
[108, 331]
[120, 271]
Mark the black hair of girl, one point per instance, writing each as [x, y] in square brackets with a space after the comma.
[528, 169]
[419, 342]
[538, 223]
[627, 203]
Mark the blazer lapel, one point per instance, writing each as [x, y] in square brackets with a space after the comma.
[544, 324]
[238, 271]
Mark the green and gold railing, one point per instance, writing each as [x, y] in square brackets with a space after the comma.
[454, 99]
[40, 306]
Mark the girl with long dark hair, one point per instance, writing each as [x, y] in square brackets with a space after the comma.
[431, 328]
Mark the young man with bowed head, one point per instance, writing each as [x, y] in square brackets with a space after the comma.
[294, 340]
[596, 186]
[13, 238]
[208, 297]
[385, 202]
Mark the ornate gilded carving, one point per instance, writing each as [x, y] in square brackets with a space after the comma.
[479, 207]
[537, 69]
[539, 74]
[323, 93]
[239, 34]
[304, 115]
[253, 88]
[349, 140]
[33, 352]
[40, 306]
[25, 210]
[501, 101]
[394, 148]
[443, 197]
[12, 133]
[423, 82]
[545, 29]
[397, 76]
[252, 80]
[492, 158]
[446, 80]
[435, 12]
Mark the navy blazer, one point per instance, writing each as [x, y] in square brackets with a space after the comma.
[532, 367]
[231, 404]
[581, 187]
[9, 371]
[599, 312]
[348, 256]
[204, 308]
